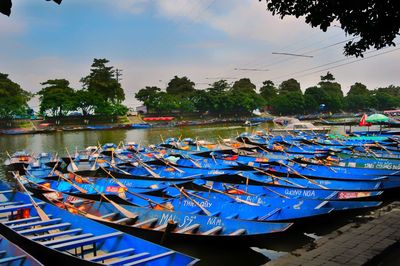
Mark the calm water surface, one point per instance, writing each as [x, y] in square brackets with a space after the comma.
[210, 255]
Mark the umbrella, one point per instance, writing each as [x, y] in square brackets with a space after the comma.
[377, 118]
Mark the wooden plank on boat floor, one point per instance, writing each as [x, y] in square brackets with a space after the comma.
[188, 228]
[238, 232]
[233, 216]
[44, 229]
[87, 241]
[6, 191]
[109, 215]
[35, 223]
[161, 227]
[148, 221]
[10, 203]
[112, 255]
[56, 234]
[25, 220]
[125, 260]
[11, 259]
[150, 258]
[268, 215]
[212, 231]
[66, 239]
[125, 219]
[18, 207]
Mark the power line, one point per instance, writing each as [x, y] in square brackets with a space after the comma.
[250, 69]
[355, 61]
[319, 66]
[290, 54]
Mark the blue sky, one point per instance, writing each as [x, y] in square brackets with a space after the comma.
[153, 40]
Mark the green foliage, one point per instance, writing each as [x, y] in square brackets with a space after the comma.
[102, 80]
[268, 91]
[148, 96]
[56, 97]
[180, 86]
[327, 92]
[375, 23]
[87, 102]
[244, 85]
[101, 94]
[290, 85]
[358, 98]
[13, 99]
[289, 103]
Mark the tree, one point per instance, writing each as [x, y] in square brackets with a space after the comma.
[218, 87]
[88, 102]
[314, 97]
[57, 97]
[289, 103]
[268, 91]
[13, 99]
[333, 90]
[375, 22]
[358, 98]
[358, 89]
[290, 85]
[180, 86]
[5, 6]
[103, 81]
[244, 85]
[165, 103]
[148, 96]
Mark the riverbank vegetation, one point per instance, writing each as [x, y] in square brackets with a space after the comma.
[101, 94]
[287, 98]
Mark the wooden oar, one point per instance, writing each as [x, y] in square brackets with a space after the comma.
[302, 176]
[233, 197]
[43, 216]
[191, 160]
[95, 162]
[73, 165]
[81, 212]
[181, 190]
[275, 177]
[144, 165]
[8, 154]
[121, 209]
[60, 175]
[277, 193]
[54, 168]
[383, 147]
[232, 187]
[135, 194]
[168, 163]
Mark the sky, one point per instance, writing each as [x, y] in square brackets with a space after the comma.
[154, 40]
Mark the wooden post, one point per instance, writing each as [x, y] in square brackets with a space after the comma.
[170, 227]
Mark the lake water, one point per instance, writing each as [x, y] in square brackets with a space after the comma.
[257, 254]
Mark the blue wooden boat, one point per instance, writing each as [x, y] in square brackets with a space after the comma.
[156, 225]
[12, 255]
[263, 200]
[283, 192]
[256, 178]
[228, 210]
[140, 125]
[18, 161]
[70, 239]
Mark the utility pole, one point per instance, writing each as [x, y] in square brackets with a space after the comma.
[118, 74]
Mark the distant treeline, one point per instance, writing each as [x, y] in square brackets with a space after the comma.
[242, 97]
[102, 94]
